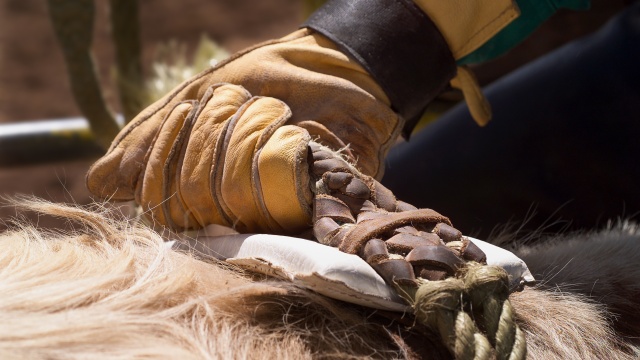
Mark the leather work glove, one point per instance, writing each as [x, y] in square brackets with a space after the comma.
[167, 157]
[231, 145]
[291, 134]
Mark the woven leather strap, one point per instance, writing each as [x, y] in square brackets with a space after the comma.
[439, 272]
[360, 216]
[396, 43]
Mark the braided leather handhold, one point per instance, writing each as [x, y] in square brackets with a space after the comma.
[322, 155]
[336, 180]
[335, 239]
[396, 271]
[472, 252]
[322, 166]
[357, 237]
[403, 206]
[324, 228]
[356, 188]
[358, 215]
[374, 251]
[439, 256]
[407, 230]
[328, 206]
[370, 215]
[447, 232]
[404, 243]
[355, 204]
[383, 197]
[430, 272]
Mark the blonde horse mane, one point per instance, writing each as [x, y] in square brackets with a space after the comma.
[111, 288]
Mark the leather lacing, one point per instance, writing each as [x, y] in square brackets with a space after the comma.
[441, 273]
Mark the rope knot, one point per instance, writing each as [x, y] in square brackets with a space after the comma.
[482, 282]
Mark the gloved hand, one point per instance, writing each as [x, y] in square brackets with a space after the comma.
[215, 153]
[194, 156]
[208, 161]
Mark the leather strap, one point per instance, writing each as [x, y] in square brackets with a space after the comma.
[396, 43]
[358, 215]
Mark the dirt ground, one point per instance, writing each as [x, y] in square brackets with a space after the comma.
[34, 86]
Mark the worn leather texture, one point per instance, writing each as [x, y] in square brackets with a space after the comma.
[358, 215]
[398, 45]
[329, 97]
[468, 24]
[479, 107]
[210, 161]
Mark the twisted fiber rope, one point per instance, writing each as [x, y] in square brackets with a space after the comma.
[445, 305]
[449, 306]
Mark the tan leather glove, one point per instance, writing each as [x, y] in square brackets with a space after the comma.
[209, 160]
[169, 158]
[210, 153]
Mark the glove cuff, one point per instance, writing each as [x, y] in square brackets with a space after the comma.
[396, 43]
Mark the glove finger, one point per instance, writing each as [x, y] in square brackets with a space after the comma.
[283, 178]
[244, 137]
[116, 174]
[154, 192]
[199, 161]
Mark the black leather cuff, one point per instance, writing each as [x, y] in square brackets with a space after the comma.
[396, 43]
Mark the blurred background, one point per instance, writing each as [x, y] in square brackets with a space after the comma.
[34, 84]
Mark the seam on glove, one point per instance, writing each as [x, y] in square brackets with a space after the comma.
[502, 20]
[221, 151]
[176, 150]
[147, 156]
[256, 188]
